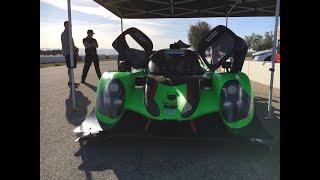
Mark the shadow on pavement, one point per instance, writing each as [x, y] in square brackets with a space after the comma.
[263, 94]
[273, 124]
[147, 159]
[133, 158]
[261, 107]
[82, 102]
[94, 88]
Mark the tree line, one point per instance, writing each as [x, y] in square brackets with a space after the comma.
[254, 41]
[257, 42]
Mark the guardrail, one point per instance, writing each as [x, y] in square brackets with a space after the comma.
[60, 59]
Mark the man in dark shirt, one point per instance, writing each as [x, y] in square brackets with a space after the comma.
[91, 46]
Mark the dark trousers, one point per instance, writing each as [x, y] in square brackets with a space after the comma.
[87, 63]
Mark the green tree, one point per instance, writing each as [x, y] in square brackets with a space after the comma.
[248, 40]
[267, 41]
[196, 32]
[258, 42]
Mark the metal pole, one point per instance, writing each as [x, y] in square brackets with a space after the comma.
[71, 57]
[121, 32]
[273, 59]
[234, 5]
[121, 26]
[227, 21]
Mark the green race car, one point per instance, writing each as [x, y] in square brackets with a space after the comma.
[175, 85]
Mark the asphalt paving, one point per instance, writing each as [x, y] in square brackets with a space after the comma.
[63, 158]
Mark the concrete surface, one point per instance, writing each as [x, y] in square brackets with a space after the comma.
[259, 72]
[62, 158]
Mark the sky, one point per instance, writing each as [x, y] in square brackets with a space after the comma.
[87, 14]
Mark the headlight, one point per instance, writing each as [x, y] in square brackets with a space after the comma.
[232, 89]
[110, 101]
[235, 102]
[114, 87]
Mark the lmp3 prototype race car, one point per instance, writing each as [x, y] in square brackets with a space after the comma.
[175, 85]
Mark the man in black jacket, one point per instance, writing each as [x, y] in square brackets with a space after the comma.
[91, 46]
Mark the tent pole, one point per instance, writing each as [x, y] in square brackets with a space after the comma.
[273, 59]
[234, 5]
[71, 57]
[227, 21]
[121, 33]
[121, 25]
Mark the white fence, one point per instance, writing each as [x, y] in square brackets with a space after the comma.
[51, 59]
[59, 59]
[259, 72]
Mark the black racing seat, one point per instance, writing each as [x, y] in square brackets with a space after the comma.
[193, 96]
[174, 67]
[149, 94]
[174, 63]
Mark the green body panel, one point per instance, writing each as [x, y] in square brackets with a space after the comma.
[209, 99]
[245, 83]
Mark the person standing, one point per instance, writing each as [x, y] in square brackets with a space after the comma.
[91, 46]
[66, 51]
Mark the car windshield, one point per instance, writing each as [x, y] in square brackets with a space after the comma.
[175, 62]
